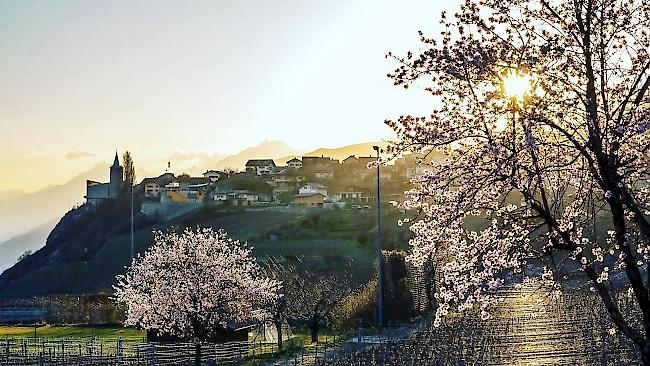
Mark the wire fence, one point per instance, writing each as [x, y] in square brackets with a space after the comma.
[92, 351]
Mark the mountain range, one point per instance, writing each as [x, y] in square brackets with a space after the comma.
[339, 153]
[32, 240]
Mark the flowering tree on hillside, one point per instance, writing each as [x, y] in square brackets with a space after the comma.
[544, 122]
[193, 284]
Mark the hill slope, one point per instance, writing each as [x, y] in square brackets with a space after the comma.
[323, 241]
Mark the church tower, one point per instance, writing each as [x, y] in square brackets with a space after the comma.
[117, 178]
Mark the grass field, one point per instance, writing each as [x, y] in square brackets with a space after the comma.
[73, 331]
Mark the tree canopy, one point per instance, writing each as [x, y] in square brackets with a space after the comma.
[543, 116]
[193, 284]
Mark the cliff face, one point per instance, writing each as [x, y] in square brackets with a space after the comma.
[76, 238]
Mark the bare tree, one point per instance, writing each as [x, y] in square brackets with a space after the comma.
[319, 294]
[26, 254]
[280, 310]
[229, 171]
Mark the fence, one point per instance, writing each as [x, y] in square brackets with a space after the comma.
[91, 351]
[310, 354]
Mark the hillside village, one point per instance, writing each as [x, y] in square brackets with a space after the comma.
[301, 182]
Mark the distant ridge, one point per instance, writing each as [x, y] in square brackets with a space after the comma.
[28, 211]
[32, 240]
[339, 153]
[264, 150]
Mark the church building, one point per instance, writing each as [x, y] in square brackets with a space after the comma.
[96, 191]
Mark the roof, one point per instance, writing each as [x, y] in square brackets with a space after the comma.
[309, 194]
[236, 191]
[350, 158]
[260, 162]
[244, 191]
[318, 158]
[213, 171]
[354, 188]
[288, 171]
[315, 185]
[367, 159]
[294, 160]
[116, 162]
[201, 185]
[162, 180]
[192, 180]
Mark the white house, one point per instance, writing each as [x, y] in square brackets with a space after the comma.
[213, 175]
[260, 166]
[221, 196]
[152, 189]
[311, 188]
[173, 186]
[238, 197]
[294, 163]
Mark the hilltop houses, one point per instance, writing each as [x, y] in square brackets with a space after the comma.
[307, 182]
[320, 167]
[286, 179]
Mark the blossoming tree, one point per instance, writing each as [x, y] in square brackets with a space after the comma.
[193, 284]
[542, 114]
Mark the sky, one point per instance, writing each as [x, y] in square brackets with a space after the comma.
[80, 79]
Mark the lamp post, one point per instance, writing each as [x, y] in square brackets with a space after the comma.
[380, 278]
[132, 241]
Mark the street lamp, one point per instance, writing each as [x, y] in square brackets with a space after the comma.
[132, 241]
[380, 280]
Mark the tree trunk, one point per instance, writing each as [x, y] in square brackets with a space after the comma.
[197, 355]
[645, 354]
[278, 329]
[314, 332]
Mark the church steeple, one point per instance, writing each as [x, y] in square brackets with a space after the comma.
[117, 178]
[116, 162]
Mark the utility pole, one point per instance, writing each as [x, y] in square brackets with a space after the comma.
[132, 243]
[380, 261]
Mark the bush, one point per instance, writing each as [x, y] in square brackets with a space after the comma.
[357, 309]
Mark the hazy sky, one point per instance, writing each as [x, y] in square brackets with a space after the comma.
[82, 78]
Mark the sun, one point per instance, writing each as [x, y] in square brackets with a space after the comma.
[517, 85]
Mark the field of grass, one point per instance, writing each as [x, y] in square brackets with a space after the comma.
[73, 331]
